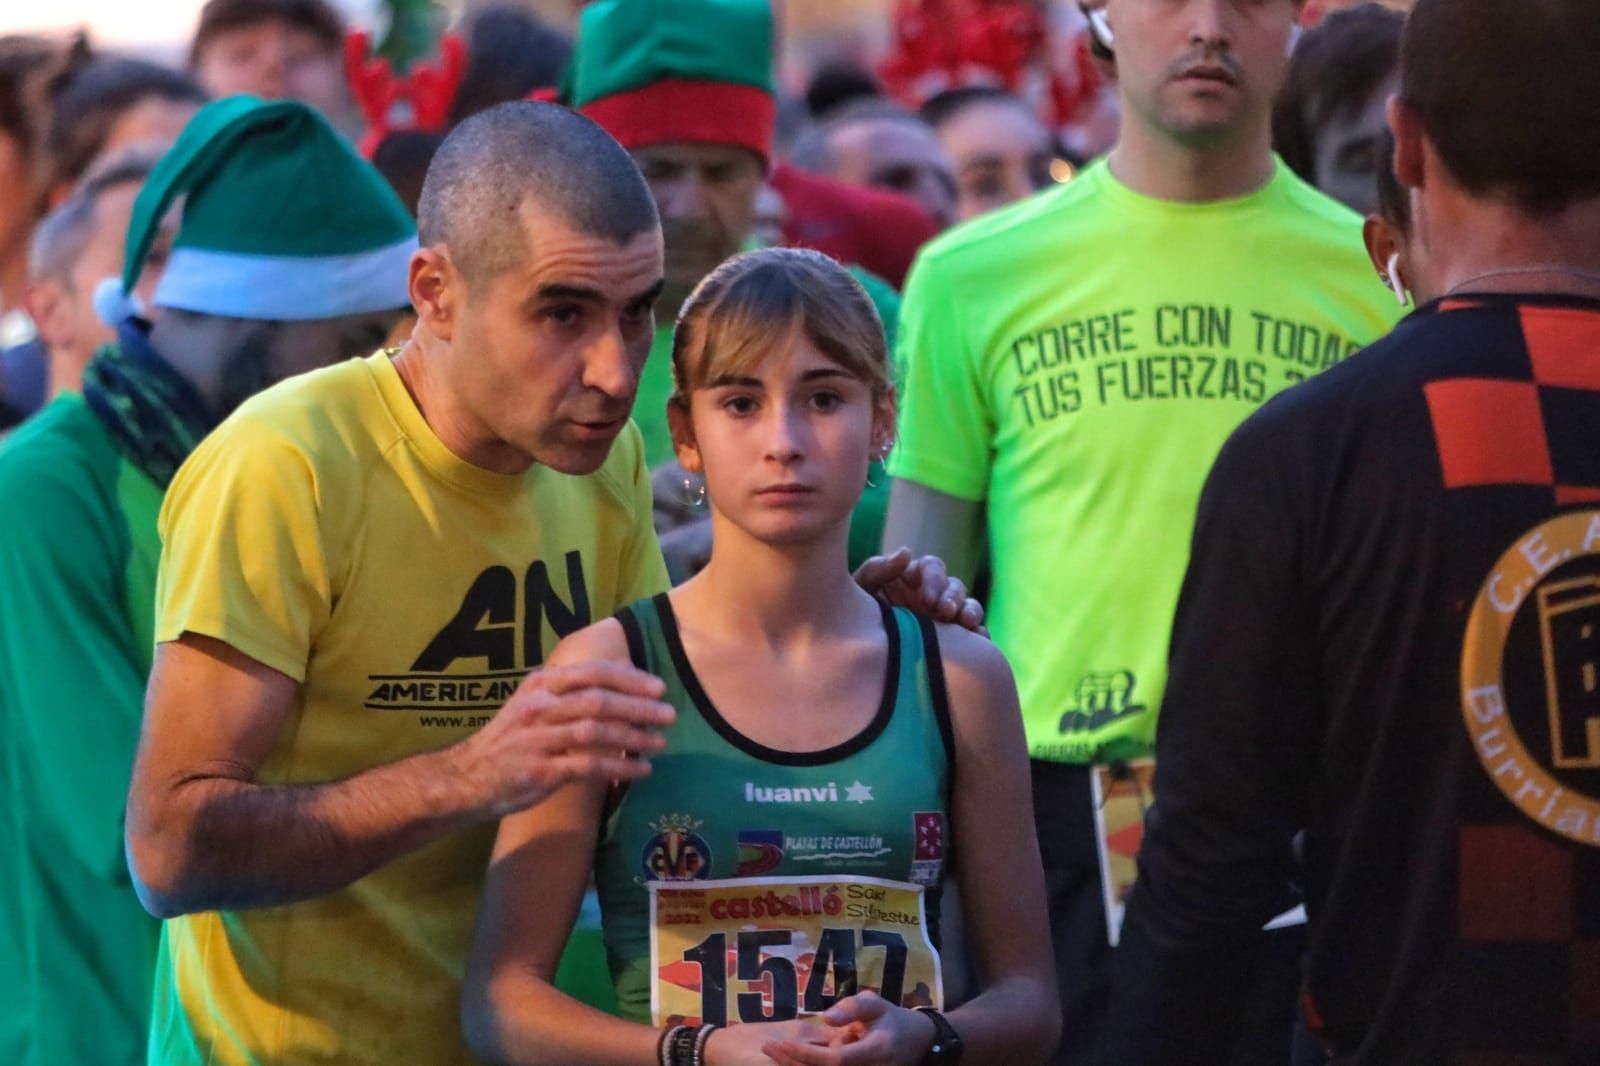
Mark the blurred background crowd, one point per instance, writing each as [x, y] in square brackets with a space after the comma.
[940, 109]
[865, 129]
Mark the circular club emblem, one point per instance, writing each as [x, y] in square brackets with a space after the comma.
[1530, 675]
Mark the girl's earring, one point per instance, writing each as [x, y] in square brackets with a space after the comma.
[879, 455]
[694, 490]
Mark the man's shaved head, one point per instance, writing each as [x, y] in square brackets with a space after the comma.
[522, 152]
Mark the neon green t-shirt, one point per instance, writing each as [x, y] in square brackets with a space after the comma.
[1076, 362]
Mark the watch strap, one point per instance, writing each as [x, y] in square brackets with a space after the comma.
[947, 1046]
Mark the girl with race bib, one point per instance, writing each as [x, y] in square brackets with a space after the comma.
[770, 892]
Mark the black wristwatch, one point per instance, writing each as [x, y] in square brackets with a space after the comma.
[947, 1046]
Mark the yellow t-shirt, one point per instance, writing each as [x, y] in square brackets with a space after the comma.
[325, 531]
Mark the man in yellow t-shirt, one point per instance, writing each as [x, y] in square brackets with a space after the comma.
[358, 569]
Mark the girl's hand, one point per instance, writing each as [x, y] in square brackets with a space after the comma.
[885, 1035]
[744, 1045]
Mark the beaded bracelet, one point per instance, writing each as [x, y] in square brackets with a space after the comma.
[684, 1045]
[700, 1039]
[664, 1045]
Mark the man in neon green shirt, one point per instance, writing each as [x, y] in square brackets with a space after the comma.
[1074, 363]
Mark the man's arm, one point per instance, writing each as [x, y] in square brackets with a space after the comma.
[1234, 755]
[203, 834]
[940, 465]
[930, 522]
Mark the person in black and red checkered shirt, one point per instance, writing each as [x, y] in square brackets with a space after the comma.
[1389, 634]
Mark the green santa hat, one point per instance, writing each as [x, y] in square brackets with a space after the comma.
[651, 71]
[282, 220]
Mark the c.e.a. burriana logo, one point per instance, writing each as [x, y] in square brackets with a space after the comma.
[1530, 675]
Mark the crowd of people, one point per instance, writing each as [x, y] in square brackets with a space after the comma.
[487, 573]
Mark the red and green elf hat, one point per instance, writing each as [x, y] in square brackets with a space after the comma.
[653, 71]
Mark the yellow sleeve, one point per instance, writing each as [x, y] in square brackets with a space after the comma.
[242, 552]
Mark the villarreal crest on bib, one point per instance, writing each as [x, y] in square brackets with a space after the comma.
[739, 883]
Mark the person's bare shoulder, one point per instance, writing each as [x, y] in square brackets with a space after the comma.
[978, 679]
[971, 658]
[604, 641]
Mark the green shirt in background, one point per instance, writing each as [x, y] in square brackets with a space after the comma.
[78, 553]
[650, 405]
[1075, 362]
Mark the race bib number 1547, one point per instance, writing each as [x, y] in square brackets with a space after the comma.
[772, 949]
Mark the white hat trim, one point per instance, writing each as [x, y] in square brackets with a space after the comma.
[286, 288]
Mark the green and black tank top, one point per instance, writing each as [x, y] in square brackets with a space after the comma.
[742, 883]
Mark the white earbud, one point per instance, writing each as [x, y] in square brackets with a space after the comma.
[1392, 276]
[1100, 26]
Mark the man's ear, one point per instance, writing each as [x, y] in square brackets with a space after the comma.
[437, 291]
[1385, 244]
[1410, 160]
[48, 304]
[1382, 242]
[682, 427]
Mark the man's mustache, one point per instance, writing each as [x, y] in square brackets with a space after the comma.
[1206, 56]
[684, 235]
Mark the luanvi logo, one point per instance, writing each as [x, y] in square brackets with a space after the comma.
[1100, 700]
[502, 638]
[829, 793]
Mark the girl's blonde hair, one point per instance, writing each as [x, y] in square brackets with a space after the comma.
[760, 302]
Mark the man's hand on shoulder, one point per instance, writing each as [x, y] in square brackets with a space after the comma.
[922, 584]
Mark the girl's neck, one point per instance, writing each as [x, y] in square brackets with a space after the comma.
[778, 597]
